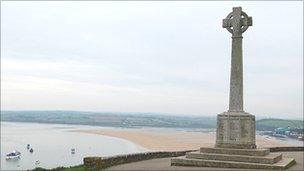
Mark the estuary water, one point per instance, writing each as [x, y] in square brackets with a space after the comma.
[52, 144]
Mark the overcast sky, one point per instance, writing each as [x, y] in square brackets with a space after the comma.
[165, 57]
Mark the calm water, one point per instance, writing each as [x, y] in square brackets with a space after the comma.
[52, 145]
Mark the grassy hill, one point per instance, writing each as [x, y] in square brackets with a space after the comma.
[132, 119]
[270, 124]
[109, 119]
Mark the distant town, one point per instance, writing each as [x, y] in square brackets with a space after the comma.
[286, 132]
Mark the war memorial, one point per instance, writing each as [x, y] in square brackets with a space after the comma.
[235, 145]
[235, 135]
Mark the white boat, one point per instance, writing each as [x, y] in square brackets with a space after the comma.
[37, 162]
[73, 150]
[13, 155]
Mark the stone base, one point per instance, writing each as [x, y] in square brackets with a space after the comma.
[247, 152]
[234, 158]
[235, 130]
[268, 159]
[285, 163]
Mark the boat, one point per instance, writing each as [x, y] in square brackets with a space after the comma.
[73, 150]
[13, 155]
[31, 150]
[28, 146]
[37, 162]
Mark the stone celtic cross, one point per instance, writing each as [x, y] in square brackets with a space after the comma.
[237, 22]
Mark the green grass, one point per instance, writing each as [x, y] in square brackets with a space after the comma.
[275, 123]
[72, 168]
[75, 168]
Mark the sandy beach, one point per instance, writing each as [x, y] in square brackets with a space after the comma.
[171, 140]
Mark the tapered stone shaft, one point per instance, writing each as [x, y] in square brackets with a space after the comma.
[236, 23]
[236, 76]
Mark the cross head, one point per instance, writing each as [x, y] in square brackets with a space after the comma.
[237, 22]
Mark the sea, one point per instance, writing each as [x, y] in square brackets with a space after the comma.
[52, 144]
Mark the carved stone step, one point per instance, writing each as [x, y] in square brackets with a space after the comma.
[183, 161]
[249, 152]
[268, 159]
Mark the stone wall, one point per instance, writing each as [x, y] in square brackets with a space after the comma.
[95, 163]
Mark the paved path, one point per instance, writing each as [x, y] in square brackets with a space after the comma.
[164, 164]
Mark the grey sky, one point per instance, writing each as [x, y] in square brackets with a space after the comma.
[168, 57]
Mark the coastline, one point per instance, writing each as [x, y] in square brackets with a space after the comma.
[174, 140]
[55, 141]
[162, 139]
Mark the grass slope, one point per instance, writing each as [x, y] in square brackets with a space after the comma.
[269, 124]
[72, 168]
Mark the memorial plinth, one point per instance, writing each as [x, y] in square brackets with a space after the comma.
[235, 130]
[235, 145]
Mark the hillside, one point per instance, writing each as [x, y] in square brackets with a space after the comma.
[271, 124]
[109, 119]
[132, 119]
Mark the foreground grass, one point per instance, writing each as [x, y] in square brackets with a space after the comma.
[73, 168]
